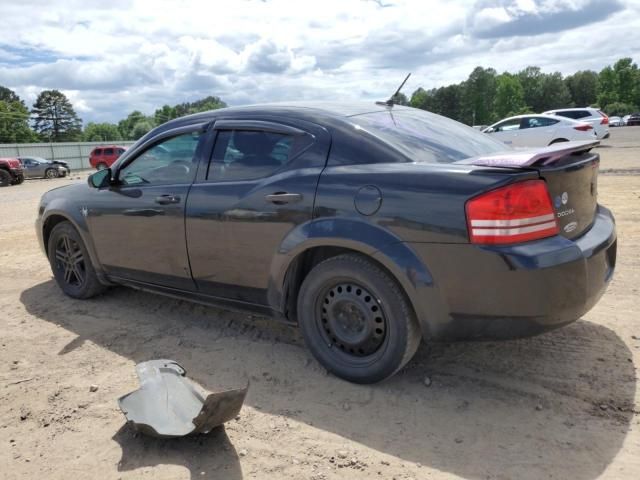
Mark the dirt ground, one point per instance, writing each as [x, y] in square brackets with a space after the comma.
[560, 406]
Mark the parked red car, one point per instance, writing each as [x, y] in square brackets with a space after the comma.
[103, 157]
[11, 172]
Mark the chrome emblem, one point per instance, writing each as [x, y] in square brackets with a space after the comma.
[85, 211]
[565, 198]
[570, 227]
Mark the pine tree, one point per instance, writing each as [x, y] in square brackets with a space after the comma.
[55, 120]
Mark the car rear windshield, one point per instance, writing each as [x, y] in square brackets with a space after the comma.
[426, 137]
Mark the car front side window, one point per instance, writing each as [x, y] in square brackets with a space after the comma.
[249, 154]
[171, 161]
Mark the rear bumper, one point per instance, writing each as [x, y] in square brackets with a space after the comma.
[515, 291]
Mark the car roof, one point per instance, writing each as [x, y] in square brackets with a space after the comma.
[542, 115]
[109, 146]
[573, 109]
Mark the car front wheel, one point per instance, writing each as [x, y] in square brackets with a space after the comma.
[51, 173]
[356, 320]
[71, 264]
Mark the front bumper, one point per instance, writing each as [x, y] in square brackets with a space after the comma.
[492, 292]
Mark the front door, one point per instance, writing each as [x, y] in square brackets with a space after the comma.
[137, 225]
[260, 185]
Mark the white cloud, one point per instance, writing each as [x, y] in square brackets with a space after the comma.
[112, 58]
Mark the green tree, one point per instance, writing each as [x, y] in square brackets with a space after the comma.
[555, 93]
[509, 96]
[620, 109]
[141, 128]
[478, 97]
[101, 132]
[627, 79]
[14, 119]
[607, 86]
[55, 120]
[531, 80]
[127, 125]
[583, 87]
[400, 99]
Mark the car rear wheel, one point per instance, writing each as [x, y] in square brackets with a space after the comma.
[356, 320]
[5, 178]
[51, 173]
[70, 263]
[101, 166]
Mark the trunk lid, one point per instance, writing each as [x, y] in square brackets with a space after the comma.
[571, 173]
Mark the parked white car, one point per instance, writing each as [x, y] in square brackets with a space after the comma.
[539, 130]
[616, 122]
[597, 119]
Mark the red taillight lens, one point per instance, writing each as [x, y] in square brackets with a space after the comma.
[519, 212]
[583, 128]
[605, 119]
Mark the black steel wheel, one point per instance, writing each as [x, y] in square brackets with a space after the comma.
[351, 319]
[356, 320]
[70, 263]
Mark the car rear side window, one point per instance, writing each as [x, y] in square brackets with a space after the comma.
[97, 151]
[108, 151]
[249, 154]
[425, 137]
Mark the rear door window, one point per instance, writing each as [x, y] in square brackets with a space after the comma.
[108, 151]
[249, 154]
[97, 151]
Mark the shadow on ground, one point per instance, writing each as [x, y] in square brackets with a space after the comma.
[556, 406]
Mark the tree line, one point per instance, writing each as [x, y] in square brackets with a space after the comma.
[483, 98]
[53, 119]
[486, 96]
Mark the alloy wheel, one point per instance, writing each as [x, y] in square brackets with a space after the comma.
[70, 261]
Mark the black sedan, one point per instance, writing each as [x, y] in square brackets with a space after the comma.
[633, 120]
[371, 226]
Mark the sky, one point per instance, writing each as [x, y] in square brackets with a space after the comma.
[111, 58]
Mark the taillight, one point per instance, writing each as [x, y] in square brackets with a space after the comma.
[583, 128]
[519, 212]
[605, 119]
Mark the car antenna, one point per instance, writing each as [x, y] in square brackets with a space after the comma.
[391, 102]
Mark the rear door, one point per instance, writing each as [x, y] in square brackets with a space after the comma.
[260, 185]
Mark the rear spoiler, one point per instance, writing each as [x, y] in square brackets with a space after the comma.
[531, 157]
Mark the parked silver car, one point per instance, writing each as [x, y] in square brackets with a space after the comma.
[36, 167]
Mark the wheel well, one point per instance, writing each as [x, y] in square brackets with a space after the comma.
[49, 223]
[300, 267]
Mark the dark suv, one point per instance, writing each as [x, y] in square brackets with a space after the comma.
[103, 157]
[11, 172]
[370, 226]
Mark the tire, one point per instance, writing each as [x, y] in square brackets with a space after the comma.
[356, 320]
[18, 180]
[5, 178]
[559, 140]
[101, 166]
[79, 281]
[51, 173]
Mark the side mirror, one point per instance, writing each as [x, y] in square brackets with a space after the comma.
[100, 179]
[488, 130]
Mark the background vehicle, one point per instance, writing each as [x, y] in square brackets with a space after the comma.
[11, 172]
[103, 157]
[625, 119]
[616, 122]
[371, 226]
[597, 119]
[539, 130]
[634, 119]
[36, 167]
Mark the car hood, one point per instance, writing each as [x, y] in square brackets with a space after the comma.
[70, 191]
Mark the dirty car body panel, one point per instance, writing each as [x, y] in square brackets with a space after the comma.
[339, 180]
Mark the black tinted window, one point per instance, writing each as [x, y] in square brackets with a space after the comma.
[533, 122]
[575, 114]
[108, 151]
[247, 155]
[169, 161]
[426, 137]
[97, 151]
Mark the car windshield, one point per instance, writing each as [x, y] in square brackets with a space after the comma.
[426, 137]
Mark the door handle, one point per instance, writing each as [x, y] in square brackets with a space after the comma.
[167, 199]
[280, 198]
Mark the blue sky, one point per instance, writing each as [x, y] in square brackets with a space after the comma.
[140, 54]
